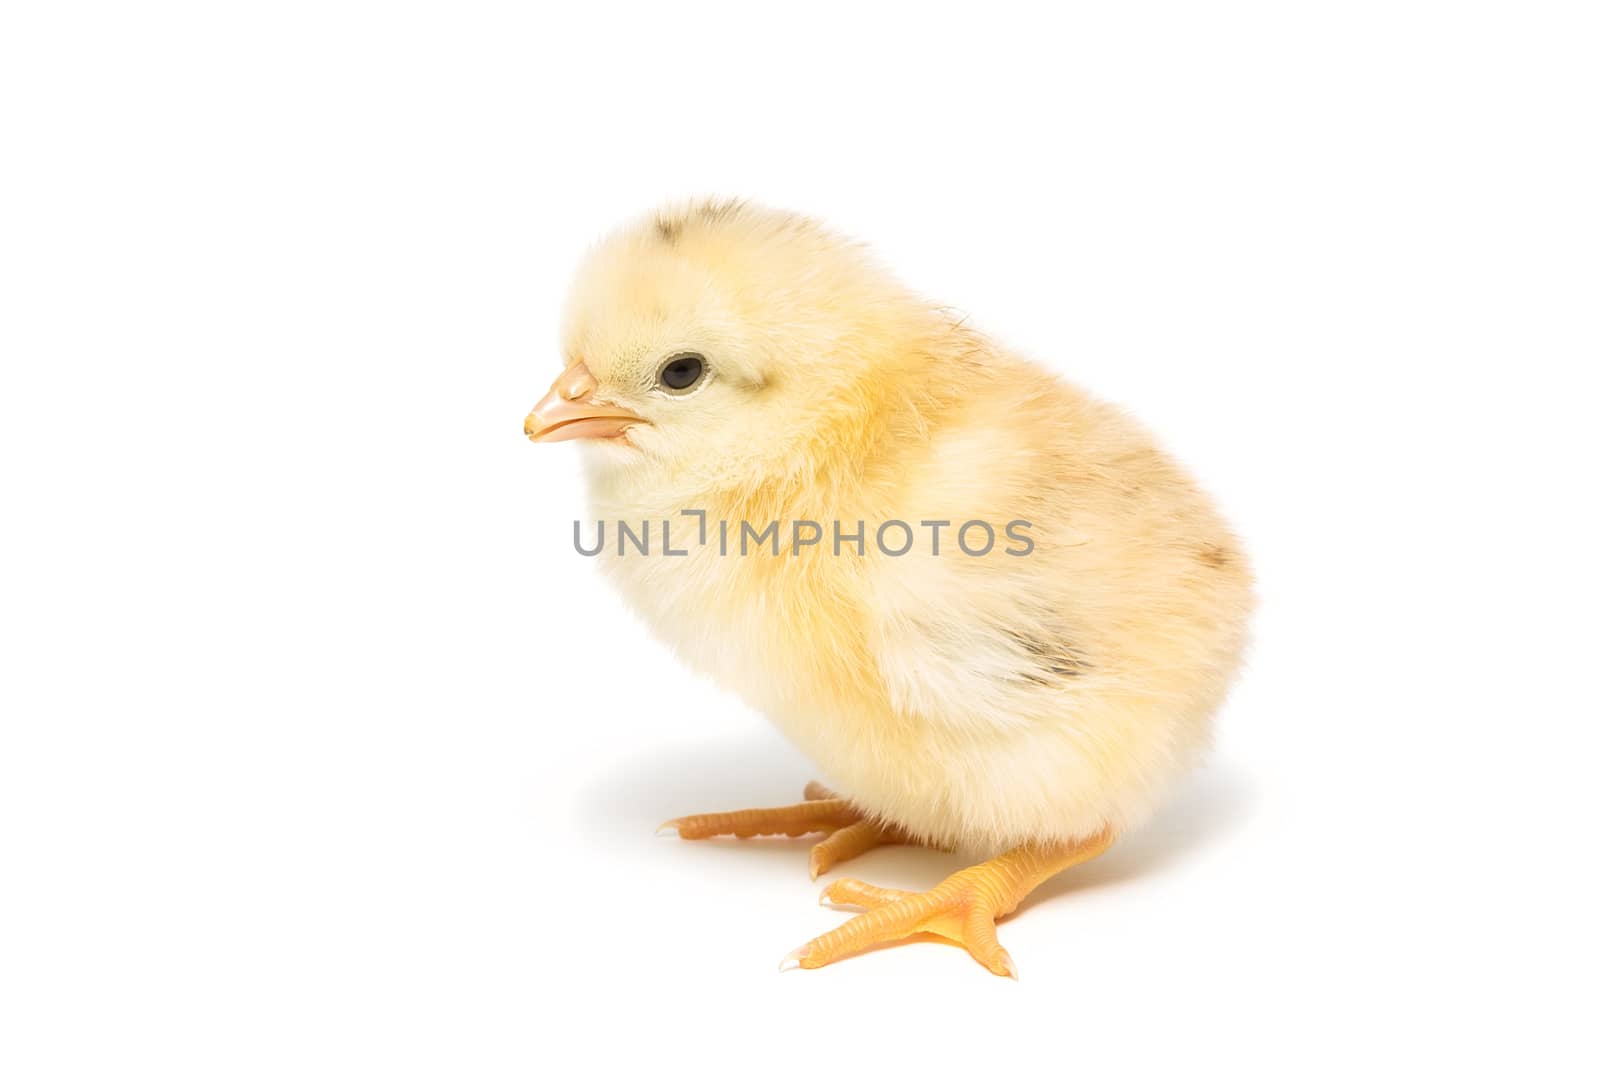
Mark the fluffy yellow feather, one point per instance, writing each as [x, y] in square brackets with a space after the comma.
[980, 702]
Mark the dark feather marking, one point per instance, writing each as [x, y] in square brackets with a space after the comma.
[717, 210]
[670, 227]
[1214, 556]
[1055, 658]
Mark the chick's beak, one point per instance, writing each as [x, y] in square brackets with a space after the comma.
[569, 410]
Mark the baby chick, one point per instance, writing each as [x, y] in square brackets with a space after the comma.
[1030, 691]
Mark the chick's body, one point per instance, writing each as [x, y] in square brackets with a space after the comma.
[972, 701]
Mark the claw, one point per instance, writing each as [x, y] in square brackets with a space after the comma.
[824, 899]
[792, 960]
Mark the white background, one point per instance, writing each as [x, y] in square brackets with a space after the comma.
[321, 745]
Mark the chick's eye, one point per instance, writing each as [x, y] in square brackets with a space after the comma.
[680, 373]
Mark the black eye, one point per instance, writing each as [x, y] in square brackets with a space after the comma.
[681, 372]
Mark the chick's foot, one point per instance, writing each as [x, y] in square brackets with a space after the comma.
[850, 833]
[963, 908]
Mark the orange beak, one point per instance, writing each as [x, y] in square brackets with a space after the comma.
[569, 410]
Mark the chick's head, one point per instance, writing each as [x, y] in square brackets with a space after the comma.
[715, 342]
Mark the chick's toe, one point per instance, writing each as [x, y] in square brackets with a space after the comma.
[794, 820]
[850, 832]
[962, 909]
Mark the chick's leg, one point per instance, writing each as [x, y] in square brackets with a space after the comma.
[962, 908]
[849, 832]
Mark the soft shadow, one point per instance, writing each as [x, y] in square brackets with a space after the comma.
[762, 770]
[1200, 810]
[754, 771]
[757, 770]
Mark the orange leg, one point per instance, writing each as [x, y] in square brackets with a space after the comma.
[962, 908]
[849, 832]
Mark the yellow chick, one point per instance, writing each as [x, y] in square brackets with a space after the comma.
[986, 605]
